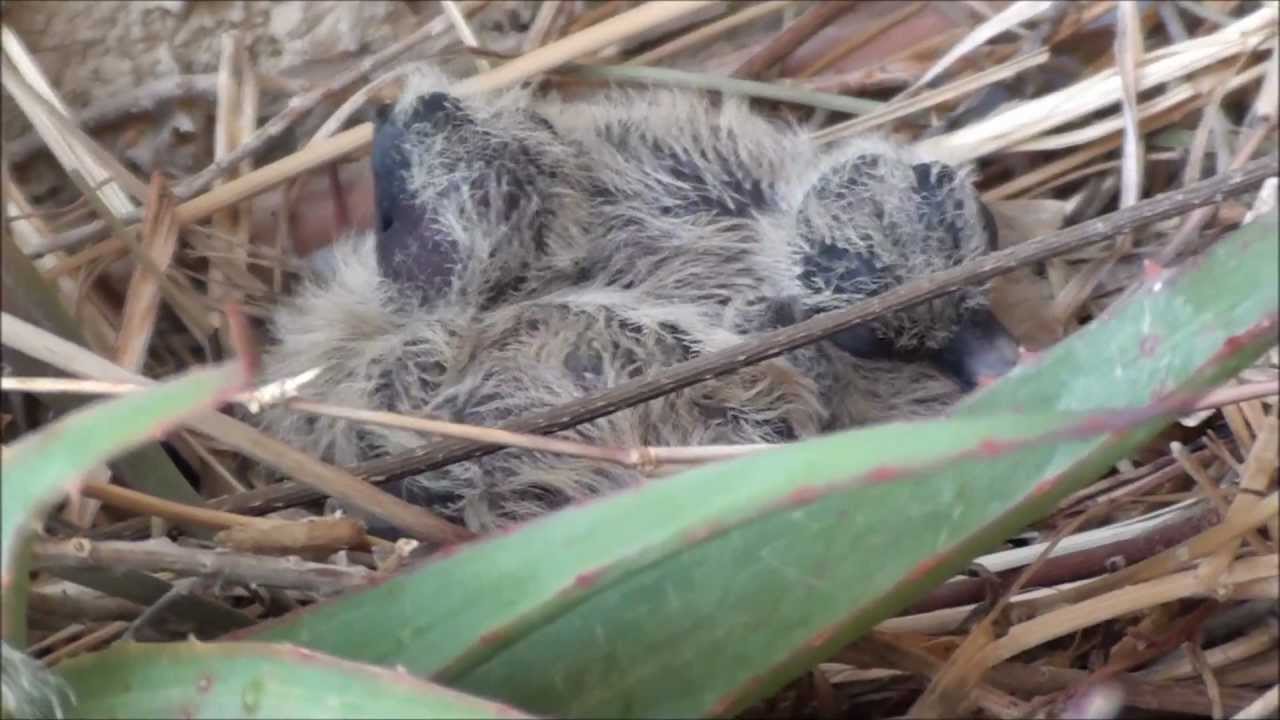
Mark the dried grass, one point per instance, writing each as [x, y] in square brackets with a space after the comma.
[1057, 104]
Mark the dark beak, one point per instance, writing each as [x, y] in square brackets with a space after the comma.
[981, 351]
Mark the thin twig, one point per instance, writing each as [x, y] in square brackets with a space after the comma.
[123, 498]
[786, 42]
[99, 637]
[303, 104]
[415, 520]
[1190, 230]
[163, 555]
[643, 458]
[1070, 618]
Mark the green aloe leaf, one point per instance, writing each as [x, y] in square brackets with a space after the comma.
[698, 594]
[26, 295]
[249, 680]
[43, 464]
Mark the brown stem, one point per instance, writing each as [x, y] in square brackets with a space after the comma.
[785, 42]
[162, 555]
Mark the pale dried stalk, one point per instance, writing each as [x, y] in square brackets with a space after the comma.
[1178, 666]
[356, 101]
[1214, 690]
[1209, 488]
[633, 457]
[348, 142]
[910, 58]
[1071, 618]
[733, 86]
[1191, 226]
[1034, 117]
[894, 650]
[1009, 18]
[142, 299]
[641, 457]
[1258, 472]
[1047, 189]
[180, 296]
[77, 386]
[361, 96]
[1213, 121]
[98, 330]
[470, 432]
[143, 504]
[951, 620]
[27, 76]
[92, 641]
[1129, 51]
[42, 112]
[1023, 184]
[463, 29]
[417, 521]
[236, 119]
[1178, 95]
[1165, 562]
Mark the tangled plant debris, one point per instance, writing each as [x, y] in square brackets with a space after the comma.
[628, 241]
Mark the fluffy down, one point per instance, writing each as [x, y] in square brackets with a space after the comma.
[531, 251]
[454, 363]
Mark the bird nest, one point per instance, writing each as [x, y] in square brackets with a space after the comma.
[600, 248]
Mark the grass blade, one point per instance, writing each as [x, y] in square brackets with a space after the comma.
[43, 464]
